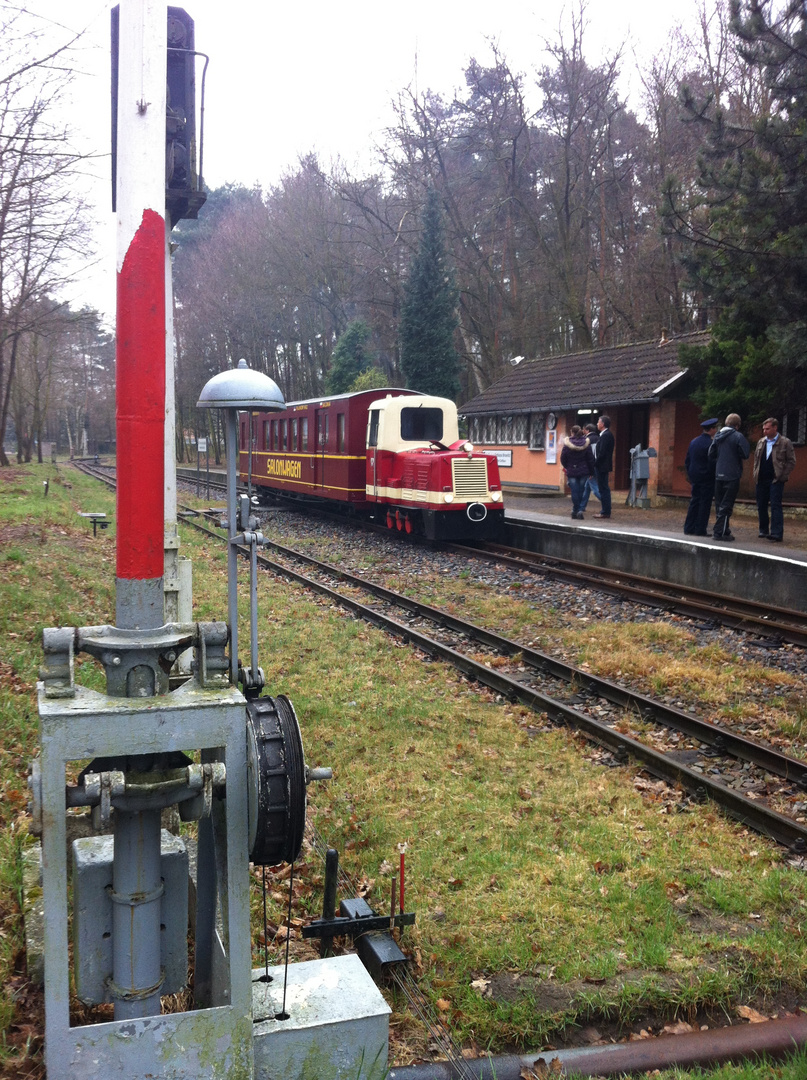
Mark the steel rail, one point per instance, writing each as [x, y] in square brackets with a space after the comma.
[787, 625]
[721, 739]
[784, 830]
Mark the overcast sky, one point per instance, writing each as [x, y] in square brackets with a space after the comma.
[285, 79]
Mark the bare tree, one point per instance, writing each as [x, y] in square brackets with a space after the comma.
[42, 218]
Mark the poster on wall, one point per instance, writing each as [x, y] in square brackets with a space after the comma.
[551, 447]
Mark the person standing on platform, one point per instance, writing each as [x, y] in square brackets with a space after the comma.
[729, 450]
[701, 475]
[577, 461]
[592, 487]
[774, 461]
[604, 465]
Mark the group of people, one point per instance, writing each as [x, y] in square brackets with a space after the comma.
[587, 458]
[714, 465]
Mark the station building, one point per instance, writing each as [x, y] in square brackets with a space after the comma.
[524, 416]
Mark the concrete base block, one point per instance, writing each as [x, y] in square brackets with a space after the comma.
[337, 1026]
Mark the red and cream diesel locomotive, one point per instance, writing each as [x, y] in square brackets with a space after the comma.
[392, 454]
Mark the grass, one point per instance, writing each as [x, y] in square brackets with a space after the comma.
[550, 892]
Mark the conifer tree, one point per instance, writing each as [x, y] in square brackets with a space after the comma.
[748, 235]
[350, 359]
[429, 314]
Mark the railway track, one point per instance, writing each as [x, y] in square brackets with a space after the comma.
[776, 623]
[781, 624]
[751, 781]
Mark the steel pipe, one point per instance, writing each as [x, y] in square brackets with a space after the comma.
[774, 1039]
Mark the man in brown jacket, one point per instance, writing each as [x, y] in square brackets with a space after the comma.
[774, 461]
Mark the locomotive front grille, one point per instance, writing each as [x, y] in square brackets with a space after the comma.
[470, 478]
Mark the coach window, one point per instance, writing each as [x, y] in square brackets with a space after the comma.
[304, 432]
[322, 430]
[294, 434]
[267, 435]
[340, 433]
[275, 435]
[284, 434]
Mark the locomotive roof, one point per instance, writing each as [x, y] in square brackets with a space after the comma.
[622, 375]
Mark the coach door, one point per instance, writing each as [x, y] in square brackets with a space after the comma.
[321, 423]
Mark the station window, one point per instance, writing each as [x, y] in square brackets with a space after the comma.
[520, 428]
[474, 429]
[295, 424]
[372, 428]
[506, 430]
[419, 425]
[489, 430]
[537, 431]
[304, 433]
[340, 433]
[794, 425]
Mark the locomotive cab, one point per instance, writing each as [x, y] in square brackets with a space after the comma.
[427, 479]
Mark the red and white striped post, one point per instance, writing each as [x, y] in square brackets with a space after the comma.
[141, 298]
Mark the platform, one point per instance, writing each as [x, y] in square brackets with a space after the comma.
[651, 543]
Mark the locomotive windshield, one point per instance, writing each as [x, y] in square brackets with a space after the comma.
[422, 425]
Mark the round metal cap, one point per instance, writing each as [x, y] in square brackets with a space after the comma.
[241, 388]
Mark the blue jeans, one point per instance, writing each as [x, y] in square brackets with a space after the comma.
[592, 488]
[771, 493]
[577, 485]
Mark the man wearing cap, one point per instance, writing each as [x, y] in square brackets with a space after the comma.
[701, 473]
[774, 461]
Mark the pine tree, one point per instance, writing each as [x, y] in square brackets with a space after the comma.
[350, 358]
[429, 314]
[748, 236]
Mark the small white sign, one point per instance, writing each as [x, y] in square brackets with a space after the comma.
[551, 447]
[504, 457]
[201, 446]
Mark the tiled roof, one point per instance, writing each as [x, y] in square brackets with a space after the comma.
[623, 375]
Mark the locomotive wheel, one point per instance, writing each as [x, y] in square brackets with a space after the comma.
[275, 781]
[390, 520]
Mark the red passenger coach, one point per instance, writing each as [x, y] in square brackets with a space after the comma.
[393, 455]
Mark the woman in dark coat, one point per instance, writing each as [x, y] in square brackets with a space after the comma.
[577, 461]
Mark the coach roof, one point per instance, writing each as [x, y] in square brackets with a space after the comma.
[622, 375]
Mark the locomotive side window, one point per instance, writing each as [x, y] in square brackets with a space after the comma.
[294, 434]
[372, 432]
[340, 433]
[304, 432]
[422, 425]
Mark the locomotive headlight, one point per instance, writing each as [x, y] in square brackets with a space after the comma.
[468, 447]
[496, 496]
[448, 496]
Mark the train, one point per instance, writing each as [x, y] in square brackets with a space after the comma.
[391, 455]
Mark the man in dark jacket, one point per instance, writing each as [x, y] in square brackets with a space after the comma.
[774, 461]
[701, 475]
[592, 487]
[604, 464]
[577, 461]
[729, 450]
